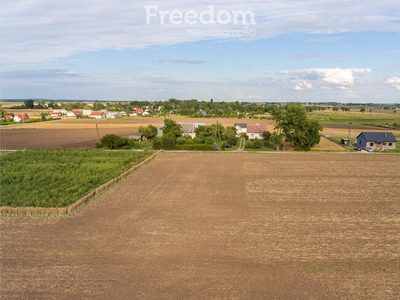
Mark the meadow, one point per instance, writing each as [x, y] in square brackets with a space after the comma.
[58, 178]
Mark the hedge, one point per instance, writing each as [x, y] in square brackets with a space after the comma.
[194, 147]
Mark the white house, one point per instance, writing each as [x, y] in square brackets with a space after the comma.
[73, 113]
[87, 112]
[61, 111]
[19, 118]
[98, 115]
[112, 114]
[240, 128]
[255, 131]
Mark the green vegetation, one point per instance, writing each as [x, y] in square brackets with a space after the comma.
[210, 137]
[302, 132]
[112, 141]
[58, 178]
[270, 142]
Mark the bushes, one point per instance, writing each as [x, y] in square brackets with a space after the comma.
[157, 143]
[112, 141]
[232, 140]
[169, 141]
[201, 147]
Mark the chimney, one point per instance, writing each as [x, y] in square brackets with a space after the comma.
[385, 134]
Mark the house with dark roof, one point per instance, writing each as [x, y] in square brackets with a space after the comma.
[240, 128]
[255, 131]
[137, 136]
[377, 140]
[187, 129]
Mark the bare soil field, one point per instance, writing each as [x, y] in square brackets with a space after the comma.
[220, 226]
[72, 123]
[56, 138]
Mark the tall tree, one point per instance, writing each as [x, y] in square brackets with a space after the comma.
[29, 103]
[297, 128]
[170, 126]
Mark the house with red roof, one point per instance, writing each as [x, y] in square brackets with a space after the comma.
[73, 113]
[98, 115]
[55, 114]
[139, 110]
[19, 118]
[6, 117]
[256, 130]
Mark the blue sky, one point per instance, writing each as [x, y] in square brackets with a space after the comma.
[345, 51]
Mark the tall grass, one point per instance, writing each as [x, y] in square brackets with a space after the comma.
[58, 178]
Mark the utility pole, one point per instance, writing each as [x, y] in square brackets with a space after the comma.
[98, 135]
[349, 135]
[5, 141]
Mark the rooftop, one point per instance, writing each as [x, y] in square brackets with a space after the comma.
[378, 137]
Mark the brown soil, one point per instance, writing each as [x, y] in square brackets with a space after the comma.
[225, 226]
[57, 138]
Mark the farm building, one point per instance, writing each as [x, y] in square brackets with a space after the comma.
[98, 115]
[137, 136]
[19, 118]
[377, 140]
[55, 114]
[7, 117]
[73, 113]
[202, 112]
[87, 112]
[256, 130]
[160, 130]
[61, 111]
[240, 128]
[112, 115]
[187, 129]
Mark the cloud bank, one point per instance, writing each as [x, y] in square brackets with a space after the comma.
[36, 31]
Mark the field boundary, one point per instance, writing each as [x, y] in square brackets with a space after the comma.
[66, 211]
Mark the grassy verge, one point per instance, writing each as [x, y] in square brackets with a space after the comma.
[58, 178]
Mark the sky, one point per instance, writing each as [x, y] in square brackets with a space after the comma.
[259, 51]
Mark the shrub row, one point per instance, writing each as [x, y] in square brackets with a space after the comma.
[194, 147]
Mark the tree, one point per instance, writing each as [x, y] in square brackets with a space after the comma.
[335, 108]
[29, 103]
[43, 116]
[370, 110]
[215, 146]
[232, 140]
[267, 136]
[297, 128]
[170, 126]
[41, 103]
[277, 139]
[149, 131]
[113, 141]
[362, 109]
[169, 141]
[157, 143]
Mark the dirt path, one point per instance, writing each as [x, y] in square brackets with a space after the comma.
[220, 226]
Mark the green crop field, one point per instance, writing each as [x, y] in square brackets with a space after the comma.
[58, 178]
[349, 116]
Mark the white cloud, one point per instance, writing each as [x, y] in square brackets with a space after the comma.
[395, 81]
[335, 76]
[254, 97]
[303, 86]
[34, 31]
[325, 88]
